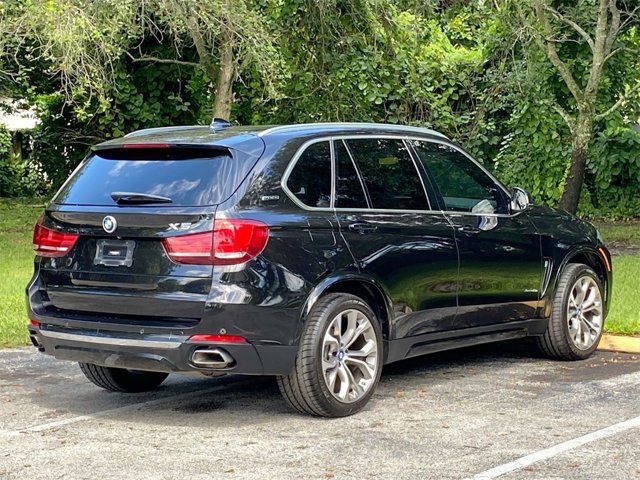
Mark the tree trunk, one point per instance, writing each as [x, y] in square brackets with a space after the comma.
[575, 179]
[224, 83]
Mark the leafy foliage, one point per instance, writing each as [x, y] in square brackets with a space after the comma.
[459, 67]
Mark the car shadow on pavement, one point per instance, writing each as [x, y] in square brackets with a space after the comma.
[249, 400]
[507, 352]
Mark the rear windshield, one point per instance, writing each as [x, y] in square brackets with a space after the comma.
[188, 178]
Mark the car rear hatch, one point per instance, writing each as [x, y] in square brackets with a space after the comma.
[125, 206]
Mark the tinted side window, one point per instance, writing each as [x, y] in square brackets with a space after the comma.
[390, 177]
[349, 193]
[463, 185]
[310, 180]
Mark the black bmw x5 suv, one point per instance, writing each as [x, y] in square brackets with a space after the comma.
[315, 253]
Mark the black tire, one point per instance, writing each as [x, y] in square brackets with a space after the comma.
[121, 380]
[305, 388]
[556, 342]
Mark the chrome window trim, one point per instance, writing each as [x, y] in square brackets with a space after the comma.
[432, 212]
[331, 138]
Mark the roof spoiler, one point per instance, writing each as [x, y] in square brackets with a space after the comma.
[135, 149]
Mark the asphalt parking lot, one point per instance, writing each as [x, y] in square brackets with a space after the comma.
[492, 412]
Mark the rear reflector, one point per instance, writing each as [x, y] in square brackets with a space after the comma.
[233, 241]
[34, 323]
[51, 243]
[217, 339]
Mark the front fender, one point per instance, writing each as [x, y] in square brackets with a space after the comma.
[579, 253]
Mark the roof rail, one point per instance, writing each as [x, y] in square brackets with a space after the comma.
[387, 126]
[147, 131]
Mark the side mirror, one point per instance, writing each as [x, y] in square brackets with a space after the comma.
[519, 200]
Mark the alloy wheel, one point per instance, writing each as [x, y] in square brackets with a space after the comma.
[350, 356]
[584, 313]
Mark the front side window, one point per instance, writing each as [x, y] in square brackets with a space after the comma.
[463, 185]
[389, 174]
[310, 179]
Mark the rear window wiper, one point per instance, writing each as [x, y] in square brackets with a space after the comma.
[138, 198]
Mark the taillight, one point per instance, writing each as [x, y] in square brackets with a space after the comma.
[51, 243]
[236, 241]
[194, 249]
[233, 241]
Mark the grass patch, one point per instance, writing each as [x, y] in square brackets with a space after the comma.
[624, 315]
[621, 237]
[17, 218]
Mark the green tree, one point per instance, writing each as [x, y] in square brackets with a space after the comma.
[599, 27]
[84, 40]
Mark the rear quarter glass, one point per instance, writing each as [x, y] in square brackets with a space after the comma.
[189, 177]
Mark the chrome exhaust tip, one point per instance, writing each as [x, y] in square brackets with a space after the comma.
[211, 358]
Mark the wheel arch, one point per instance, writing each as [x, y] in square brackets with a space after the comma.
[361, 286]
[592, 258]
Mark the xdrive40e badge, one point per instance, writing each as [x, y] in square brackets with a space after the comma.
[109, 224]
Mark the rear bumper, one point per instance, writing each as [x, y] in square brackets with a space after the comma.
[158, 352]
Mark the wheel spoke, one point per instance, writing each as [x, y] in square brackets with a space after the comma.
[367, 370]
[336, 330]
[352, 325]
[574, 328]
[365, 351]
[572, 300]
[578, 336]
[331, 379]
[594, 306]
[586, 334]
[589, 297]
[344, 382]
[592, 328]
[363, 327]
[353, 385]
[579, 290]
[331, 341]
[329, 363]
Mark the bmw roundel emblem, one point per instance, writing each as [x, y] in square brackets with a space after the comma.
[109, 224]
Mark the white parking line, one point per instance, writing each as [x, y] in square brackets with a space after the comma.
[557, 449]
[103, 413]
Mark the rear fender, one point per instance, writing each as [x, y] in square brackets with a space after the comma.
[348, 282]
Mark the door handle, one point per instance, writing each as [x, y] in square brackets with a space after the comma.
[362, 227]
[468, 229]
